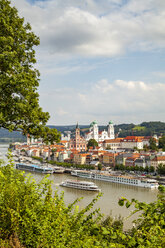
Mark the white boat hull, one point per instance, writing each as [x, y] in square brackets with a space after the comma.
[145, 183]
[90, 186]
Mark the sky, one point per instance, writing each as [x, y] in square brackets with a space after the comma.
[99, 59]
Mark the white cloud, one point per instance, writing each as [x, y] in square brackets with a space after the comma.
[103, 86]
[61, 112]
[83, 98]
[132, 85]
[96, 28]
[72, 31]
[122, 101]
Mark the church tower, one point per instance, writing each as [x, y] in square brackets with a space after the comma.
[77, 134]
[95, 130]
[111, 133]
[78, 142]
[28, 139]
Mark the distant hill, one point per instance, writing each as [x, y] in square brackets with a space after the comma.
[143, 129]
[71, 128]
[8, 137]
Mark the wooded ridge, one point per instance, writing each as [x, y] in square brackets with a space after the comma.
[143, 129]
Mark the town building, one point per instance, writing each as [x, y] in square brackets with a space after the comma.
[94, 132]
[62, 156]
[79, 158]
[112, 144]
[157, 160]
[66, 137]
[78, 142]
[132, 142]
[121, 158]
[141, 162]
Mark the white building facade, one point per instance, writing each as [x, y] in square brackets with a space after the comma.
[131, 142]
[67, 137]
[102, 135]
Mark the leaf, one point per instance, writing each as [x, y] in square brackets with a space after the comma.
[105, 231]
[128, 204]
[121, 202]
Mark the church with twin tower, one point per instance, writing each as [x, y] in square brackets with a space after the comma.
[94, 132]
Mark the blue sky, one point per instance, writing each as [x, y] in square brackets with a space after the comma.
[99, 59]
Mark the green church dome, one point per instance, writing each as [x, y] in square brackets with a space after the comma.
[110, 122]
[93, 123]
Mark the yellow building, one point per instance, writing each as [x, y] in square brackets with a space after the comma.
[109, 159]
[79, 158]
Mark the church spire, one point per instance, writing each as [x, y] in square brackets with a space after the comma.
[77, 125]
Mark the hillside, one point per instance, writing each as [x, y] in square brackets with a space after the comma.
[143, 129]
[7, 137]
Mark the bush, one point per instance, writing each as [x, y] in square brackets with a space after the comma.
[32, 216]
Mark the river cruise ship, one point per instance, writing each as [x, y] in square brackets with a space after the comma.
[58, 170]
[123, 179]
[80, 185]
[33, 168]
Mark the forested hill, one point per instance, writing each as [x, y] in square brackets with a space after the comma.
[6, 136]
[143, 129]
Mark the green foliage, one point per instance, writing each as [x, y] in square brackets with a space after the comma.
[29, 211]
[100, 166]
[38, 158]
[32, 216]
[143, 129]
[149, 230]
[151, 169]
[134, 168]
[145, 148]
[92, 143]
[157, 127]
[69, 165]
[153, 145]
[138, 128]
[23, 150]
[19, 80]
[161, 169]
[2, 162]
[162, 143]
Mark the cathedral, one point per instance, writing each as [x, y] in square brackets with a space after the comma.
[78, 142]
[102, 135]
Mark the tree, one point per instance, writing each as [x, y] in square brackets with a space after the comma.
[153, 145]
[149, 228]
[19, 80]
[145, 148]
[162, 143]
[100, 166]
[32, 216]
[146, 168]
[151, 169]
[92, 143]
[161, 169]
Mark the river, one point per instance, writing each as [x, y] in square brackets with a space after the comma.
[112, 192]
[3, 151]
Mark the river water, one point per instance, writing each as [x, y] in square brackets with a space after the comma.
[108, 203]
[3, 151]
